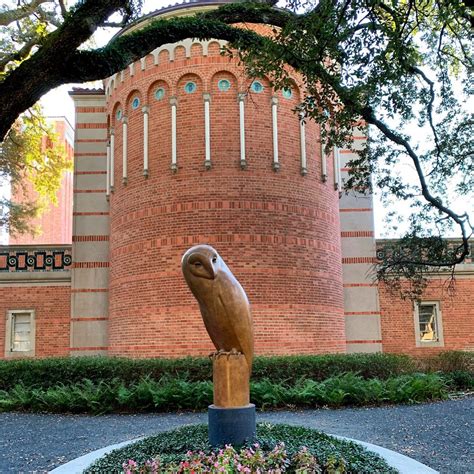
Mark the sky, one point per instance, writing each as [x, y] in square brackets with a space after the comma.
[58, 103]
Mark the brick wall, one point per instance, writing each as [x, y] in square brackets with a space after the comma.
[52, 314]
[277, 231]
[398, 327]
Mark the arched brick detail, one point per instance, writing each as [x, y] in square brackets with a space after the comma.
[196, 50]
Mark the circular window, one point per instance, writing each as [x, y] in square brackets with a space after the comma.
[119, 114]
[223, 85]
[287, 93]
[159, 93]
[135, 103]
[190, 87]
[256, 87]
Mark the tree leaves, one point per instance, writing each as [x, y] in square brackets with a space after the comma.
[31, 155]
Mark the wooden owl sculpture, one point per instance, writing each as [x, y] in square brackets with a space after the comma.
[224, 306]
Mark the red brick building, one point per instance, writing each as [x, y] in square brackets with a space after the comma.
[181, 148]
[55, 223]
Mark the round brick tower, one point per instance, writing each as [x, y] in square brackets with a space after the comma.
[203, 155]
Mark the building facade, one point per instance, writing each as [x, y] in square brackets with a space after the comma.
[180, 149]
[55, 222]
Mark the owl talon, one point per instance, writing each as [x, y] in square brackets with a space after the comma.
[233, 352]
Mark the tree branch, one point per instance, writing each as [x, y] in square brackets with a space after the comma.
[42, 72]
[368, 114]
[19, 55]
[62, 6]
[430, 83]
[10, 16]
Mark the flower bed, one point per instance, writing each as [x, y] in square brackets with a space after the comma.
[278, 449]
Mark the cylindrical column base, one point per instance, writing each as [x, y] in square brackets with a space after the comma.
[231, 425]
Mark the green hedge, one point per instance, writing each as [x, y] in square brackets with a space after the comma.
[44, 373]
[104, 385]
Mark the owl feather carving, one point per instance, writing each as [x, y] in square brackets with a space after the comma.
[224, 306]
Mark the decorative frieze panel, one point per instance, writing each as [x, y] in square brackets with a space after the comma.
[29, 259]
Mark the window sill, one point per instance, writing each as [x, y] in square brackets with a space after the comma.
[19, 354]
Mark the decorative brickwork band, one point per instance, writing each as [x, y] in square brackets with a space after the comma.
[357, 209]
[37, 260]
[91, 265]
[90, 238]
[351, 260]
[357, 233]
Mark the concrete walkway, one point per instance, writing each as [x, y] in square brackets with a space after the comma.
[439, 435]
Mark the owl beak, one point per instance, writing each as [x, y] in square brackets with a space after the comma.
[210, 270]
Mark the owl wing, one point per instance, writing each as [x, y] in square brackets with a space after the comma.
[209, 323]
[236, 306]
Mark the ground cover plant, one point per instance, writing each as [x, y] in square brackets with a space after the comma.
[105, 385]
[278, 448]
[147, 395]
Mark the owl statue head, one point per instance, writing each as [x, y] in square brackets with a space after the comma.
[200, 262]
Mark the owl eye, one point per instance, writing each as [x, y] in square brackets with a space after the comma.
[214, 259]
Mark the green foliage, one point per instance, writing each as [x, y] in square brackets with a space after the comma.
[147, 395]
[31, 155]
[23, 29]
[450, 361]
[104, 385]
[172, 446]
[43, 373]
[319, 367]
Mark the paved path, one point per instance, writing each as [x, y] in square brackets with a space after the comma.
[439, 435]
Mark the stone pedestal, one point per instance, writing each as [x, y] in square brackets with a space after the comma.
[231, 425]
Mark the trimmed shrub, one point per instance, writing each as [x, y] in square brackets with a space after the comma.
[43, 373]
[53, 371]
[449, 361]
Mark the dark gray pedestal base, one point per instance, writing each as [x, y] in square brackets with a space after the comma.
[231, 425]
